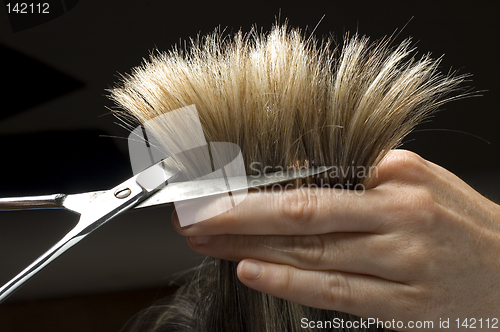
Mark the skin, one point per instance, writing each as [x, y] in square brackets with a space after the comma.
[419, 244]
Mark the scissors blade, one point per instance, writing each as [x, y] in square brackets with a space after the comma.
[181, 191]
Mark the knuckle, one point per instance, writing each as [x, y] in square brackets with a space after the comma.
[411, 259]
[414, 259]
[419, 301]
[338, 293]
[419, 207]
[421, 200]
[286, 282]
[310, 249]
[407, 158]
[416, 207]
[406, 164]
[297, 206]
[237, 245]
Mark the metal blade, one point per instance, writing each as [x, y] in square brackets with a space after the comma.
[180, 191]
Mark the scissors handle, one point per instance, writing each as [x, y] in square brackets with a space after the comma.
[32, 202]
[103, 208]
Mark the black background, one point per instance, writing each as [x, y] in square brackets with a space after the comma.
[55, 75]
[56, 134]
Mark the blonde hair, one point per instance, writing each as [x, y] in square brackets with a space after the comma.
[286, 101]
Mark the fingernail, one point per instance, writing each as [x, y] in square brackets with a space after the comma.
[202, 239]
[251, 270]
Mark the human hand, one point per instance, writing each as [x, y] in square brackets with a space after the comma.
[419, 244]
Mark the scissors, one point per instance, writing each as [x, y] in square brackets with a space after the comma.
[148, 188]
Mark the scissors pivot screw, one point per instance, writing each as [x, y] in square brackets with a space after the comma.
[122, 192]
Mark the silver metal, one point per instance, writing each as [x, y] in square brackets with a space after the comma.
[181, 191]
[144, 189]
[74, 203]
[164, 170]
[174, 192]
[96, 209]
[35, 202]
[122, 192]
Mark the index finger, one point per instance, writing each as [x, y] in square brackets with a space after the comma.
[298, 211]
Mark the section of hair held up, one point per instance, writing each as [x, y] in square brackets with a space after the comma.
[287, 101]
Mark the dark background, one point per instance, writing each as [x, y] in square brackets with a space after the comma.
[57, 134]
